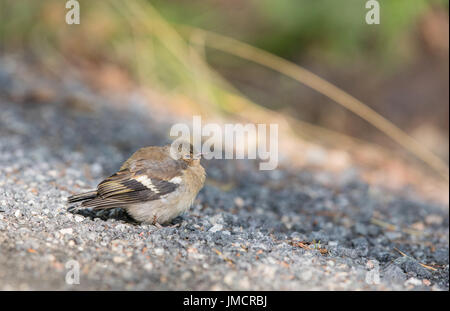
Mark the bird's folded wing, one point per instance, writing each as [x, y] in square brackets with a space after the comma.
[143, 181]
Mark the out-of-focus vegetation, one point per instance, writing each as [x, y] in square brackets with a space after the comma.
[149, 41]
[332, 30]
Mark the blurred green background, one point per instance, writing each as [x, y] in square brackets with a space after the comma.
[399, 68]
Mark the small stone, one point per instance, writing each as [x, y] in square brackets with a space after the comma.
[434, 219]
[148, 266]
[394, 274]
[229, 278]
[215, 228]
[372, 264]
[361, 245]
[393, 235]
[96, 169]
[18, 213]
[53, 173]
[121, 227]
[374, 230]
[196, 256]
[361, 228]
[306, 275]
[413, 282]
[383, 256]
[159, 251]
[239, 202]
[66, 231]
[244, 283]
[79, 218]
[116, 247]
[419, 226]
[118, 259]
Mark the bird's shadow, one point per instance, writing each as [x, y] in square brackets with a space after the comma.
[118, 214]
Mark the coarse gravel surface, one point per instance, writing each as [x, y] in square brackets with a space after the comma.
[247, 230]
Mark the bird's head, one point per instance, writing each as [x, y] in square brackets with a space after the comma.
[185, 151]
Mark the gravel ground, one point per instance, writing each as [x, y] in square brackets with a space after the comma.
[248, 229]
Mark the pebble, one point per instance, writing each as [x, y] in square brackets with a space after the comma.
[159, 251]
[413, 282]
[118, 259]
[215, 228]
[79, 218]
[239, 202]
[66, 231]
[434, 219]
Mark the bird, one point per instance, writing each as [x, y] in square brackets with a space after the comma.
[155, 185]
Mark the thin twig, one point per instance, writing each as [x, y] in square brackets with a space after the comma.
[423, 265]
[392, 227]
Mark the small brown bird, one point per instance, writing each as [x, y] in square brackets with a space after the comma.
[153, 185]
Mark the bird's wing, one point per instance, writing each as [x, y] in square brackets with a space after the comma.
[141, 180]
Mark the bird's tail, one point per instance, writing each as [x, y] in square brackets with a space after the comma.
[82, 196]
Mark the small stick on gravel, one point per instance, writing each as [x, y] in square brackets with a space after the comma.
[423, 265]
[223, 256]
[392, 227]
